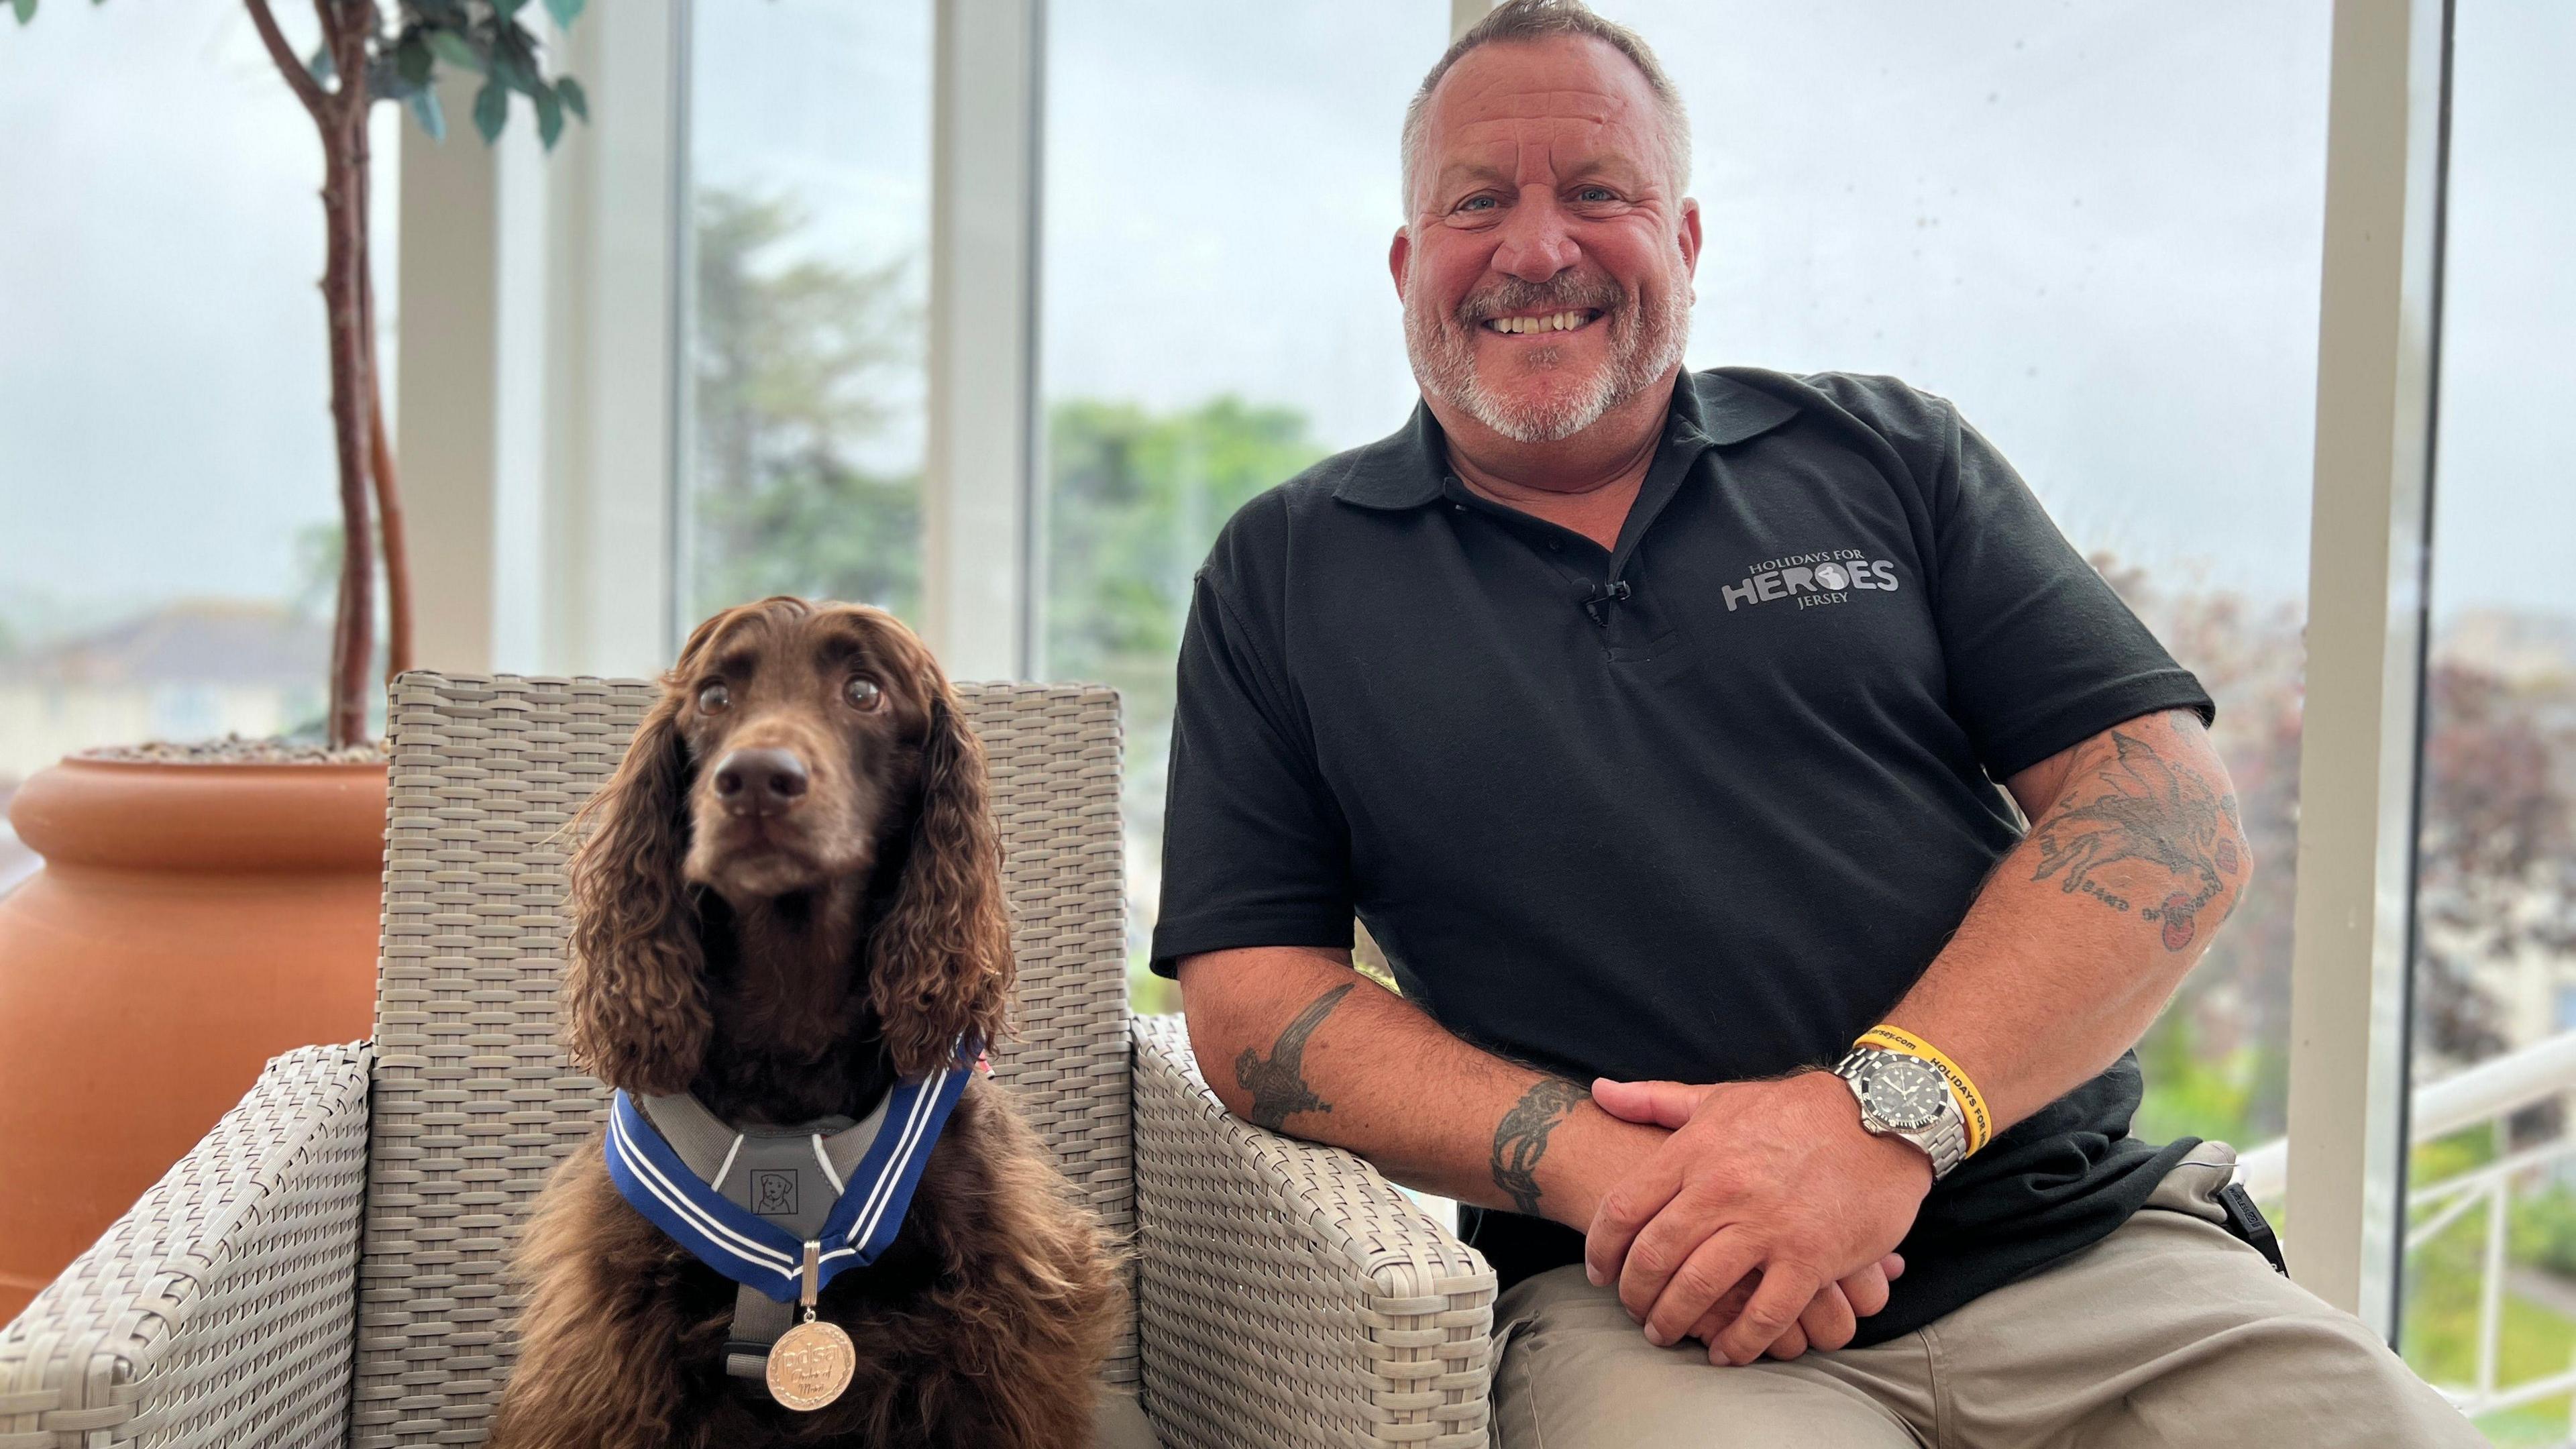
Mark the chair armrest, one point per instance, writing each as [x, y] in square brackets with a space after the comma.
[221, 1308]
[1290, 1294]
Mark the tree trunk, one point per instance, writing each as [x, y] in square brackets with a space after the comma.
[352, 392]
[348, 303]
[390, 514]
[380, 457]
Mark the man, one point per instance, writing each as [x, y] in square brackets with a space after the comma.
[1653, 723]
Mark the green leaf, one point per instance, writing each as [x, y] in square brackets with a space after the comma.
[387, 83]
[565, 12]
[514, 59]
[453, 48]
[413, 59]
[569, 90]
[491, 109]
[26, 10]
[426, 110]
[549, 116]
[321, 65]
[504, 9]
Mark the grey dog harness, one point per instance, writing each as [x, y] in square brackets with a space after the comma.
[790, 1176]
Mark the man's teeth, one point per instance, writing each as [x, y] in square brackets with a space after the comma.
[1553, 322]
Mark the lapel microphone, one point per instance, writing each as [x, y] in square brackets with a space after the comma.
[1597, 602]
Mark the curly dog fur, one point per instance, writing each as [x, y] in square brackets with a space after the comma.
[786, 965]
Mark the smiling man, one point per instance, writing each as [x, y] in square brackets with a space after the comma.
[1674, 734]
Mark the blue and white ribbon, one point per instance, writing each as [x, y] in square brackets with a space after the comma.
[750, 1250]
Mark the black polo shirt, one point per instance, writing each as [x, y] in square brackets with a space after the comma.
[1699, 807]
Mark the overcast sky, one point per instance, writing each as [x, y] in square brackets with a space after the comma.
[2092, 225]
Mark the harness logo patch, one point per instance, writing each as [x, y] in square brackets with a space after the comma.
[773, 1192]
[1813, 579]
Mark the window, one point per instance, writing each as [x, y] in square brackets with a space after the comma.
[2489, 1297]
[2015, 208]
[1221, 187]
[168, 488]
[808, 216]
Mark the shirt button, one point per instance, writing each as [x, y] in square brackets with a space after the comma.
[1458, 507]
[1556, 545]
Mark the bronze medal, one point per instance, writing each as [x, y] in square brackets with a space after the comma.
[810, 1365]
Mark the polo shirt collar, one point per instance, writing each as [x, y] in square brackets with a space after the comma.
[1406, 469]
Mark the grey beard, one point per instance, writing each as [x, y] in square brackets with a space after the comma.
[1646, 342]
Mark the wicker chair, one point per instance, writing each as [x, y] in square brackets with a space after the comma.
[325, 1266]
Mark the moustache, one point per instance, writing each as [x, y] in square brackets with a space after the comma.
[1556, 294]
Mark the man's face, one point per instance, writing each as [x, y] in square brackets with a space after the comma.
[1546, 268]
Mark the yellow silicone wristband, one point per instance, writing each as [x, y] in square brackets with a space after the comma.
[1972, 1104]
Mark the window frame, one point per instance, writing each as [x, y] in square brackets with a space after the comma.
[572, 422]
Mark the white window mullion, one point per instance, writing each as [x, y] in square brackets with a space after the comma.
[2377, 332]
[444, 404]
[613, 344]
[538, 347]
[980, 506]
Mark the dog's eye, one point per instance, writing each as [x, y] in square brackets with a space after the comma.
[862, 692]
[714, 698]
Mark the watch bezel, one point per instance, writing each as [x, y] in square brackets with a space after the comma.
[1884, 1071]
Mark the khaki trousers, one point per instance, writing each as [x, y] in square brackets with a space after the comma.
[2168, 1332]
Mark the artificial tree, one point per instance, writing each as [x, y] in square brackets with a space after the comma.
[368, 55]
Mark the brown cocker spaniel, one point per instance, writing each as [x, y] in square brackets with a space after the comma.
[791, 898]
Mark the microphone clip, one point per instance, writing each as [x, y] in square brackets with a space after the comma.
[1597, 602]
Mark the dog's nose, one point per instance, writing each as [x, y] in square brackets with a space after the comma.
[760, 782]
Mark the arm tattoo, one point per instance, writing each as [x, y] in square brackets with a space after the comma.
[2148, 809]
[1277, 1086]
[1521, 1138]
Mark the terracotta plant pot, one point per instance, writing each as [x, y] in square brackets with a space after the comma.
[191, 921]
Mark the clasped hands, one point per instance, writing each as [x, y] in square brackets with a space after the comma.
[1766, 1222]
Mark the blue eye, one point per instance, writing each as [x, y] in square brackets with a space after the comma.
[1473, 203]
[1595, 193]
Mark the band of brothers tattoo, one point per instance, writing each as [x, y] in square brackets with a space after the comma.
[1278, 1085]
[1521, 1137]
[2147, 809]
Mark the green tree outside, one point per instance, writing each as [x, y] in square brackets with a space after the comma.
[791, 362]
[1135, 501]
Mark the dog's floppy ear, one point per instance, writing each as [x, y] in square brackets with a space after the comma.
[940, 960]
[634, 997]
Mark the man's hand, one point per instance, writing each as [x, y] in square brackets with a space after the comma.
[1773, 1178]
[1595, 1153]
[1832, 1318]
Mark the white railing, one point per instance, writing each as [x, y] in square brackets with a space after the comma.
[2484, 1093]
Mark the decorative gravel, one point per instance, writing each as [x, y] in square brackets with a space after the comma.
[234, 750]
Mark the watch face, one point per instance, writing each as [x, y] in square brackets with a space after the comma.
[1905, 1093]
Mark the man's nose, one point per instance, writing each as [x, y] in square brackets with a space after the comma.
[1534, 243]
[760, 782]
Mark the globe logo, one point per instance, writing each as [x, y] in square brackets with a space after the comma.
[1832, 576]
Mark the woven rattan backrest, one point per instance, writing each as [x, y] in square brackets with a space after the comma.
[474, 1101]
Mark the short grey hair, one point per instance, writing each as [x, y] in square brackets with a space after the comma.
[1529, 20]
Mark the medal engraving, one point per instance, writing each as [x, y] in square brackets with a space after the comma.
[810, 1365]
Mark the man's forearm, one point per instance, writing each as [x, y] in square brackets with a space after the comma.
[2136, 853]
[1294, 1039]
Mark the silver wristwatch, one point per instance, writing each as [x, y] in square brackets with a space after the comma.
[1906, 1096]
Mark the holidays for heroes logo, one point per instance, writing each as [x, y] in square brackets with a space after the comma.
[1813, 579]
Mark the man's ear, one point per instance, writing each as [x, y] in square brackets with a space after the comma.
[1690, 238]
[1398, 252]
